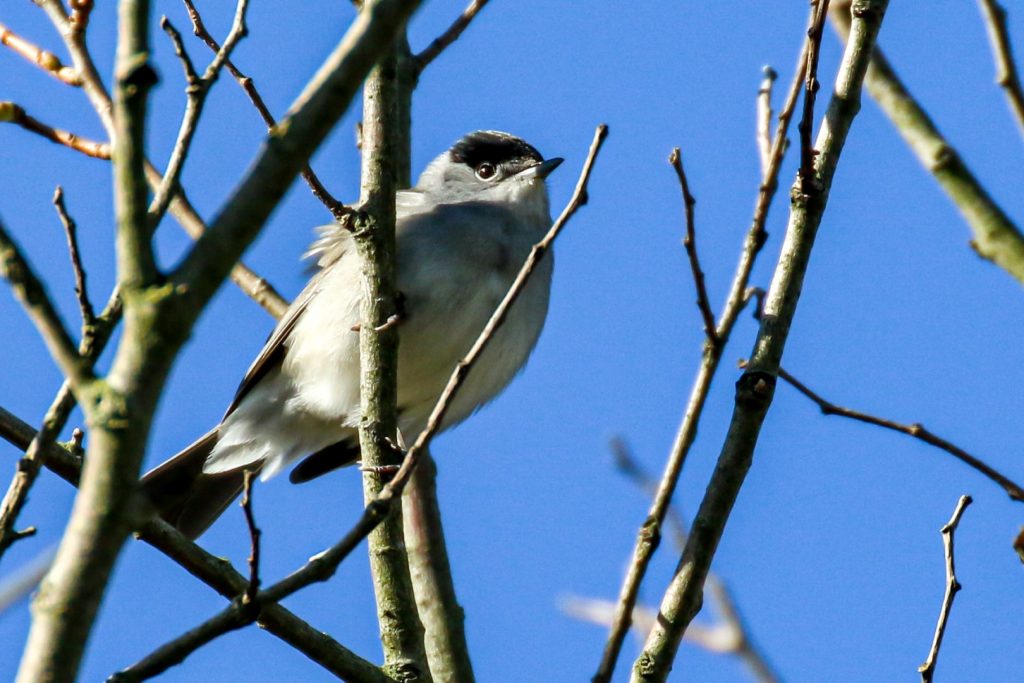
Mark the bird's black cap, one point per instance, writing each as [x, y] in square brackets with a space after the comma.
[495, 148]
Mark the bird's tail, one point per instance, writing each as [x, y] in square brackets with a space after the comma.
[186, 497]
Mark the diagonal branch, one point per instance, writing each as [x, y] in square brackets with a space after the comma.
[34, 298]
[915, 430]
[72, 30]
[213, 571]
[755, 388]
[44, 59]
[14, 113]
[197, 89]
[811, 86]
[451, 34]
[1002, 53]
[94, 338]
[690, 243]
[338, 210]
[71, 232]
[927, 670]
[996, 238]
[649, 535]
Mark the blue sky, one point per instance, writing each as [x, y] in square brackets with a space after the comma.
[832, 551]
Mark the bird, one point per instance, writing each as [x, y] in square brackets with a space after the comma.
[462, 234]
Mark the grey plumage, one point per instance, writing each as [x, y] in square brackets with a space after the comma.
[462, 234]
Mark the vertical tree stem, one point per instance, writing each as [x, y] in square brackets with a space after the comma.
[755, 388]
[400, 628]
[118, 410]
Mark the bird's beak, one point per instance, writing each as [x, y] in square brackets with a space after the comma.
[541, 170]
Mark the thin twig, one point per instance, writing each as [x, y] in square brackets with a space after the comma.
[94, 339]
[764, 119]
[995, 236]
[197, 88]
[1002, 53]
[191, 76]
[254, 538]
[811, 86]
[34, 298]
[1014, 491]
[690, 243]
[927, 670]
[755, 388]
[44, 59]
[323, 565]
[338, 210]
[732, 636]
[649, 534]
[251, 283]
[451, 34]
[71, 232]
[15, 113]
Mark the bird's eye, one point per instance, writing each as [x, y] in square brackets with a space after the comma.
[485, 171]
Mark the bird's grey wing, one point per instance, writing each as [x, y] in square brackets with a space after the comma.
[334, 242]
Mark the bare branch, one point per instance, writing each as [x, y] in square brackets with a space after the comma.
[44, 59]
[1002, 53]
[338, 210]
[192, 78]
[213, 571]
[451, 34]
[996, 237]
[71, 232]
[33, 297]
[1014, 491]
[730, 637]
[443, 619]
[764, 119]
[254, 539]
[256, 287]
[14, 113]
[755, 388]
[196, 90]
[400, 627]
[927, 670]
[690, 243]
[649, 534]
[811, 86]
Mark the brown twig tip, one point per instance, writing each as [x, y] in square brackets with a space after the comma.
[927, 670]
[14, 113]
[80, 12]
[811, 86]
[690, 243]
[916, 430]
[71, 233]
[252, 590]
[191, 77]
[451, 34]
[44, 59]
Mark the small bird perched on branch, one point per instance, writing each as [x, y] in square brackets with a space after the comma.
[461, 236]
